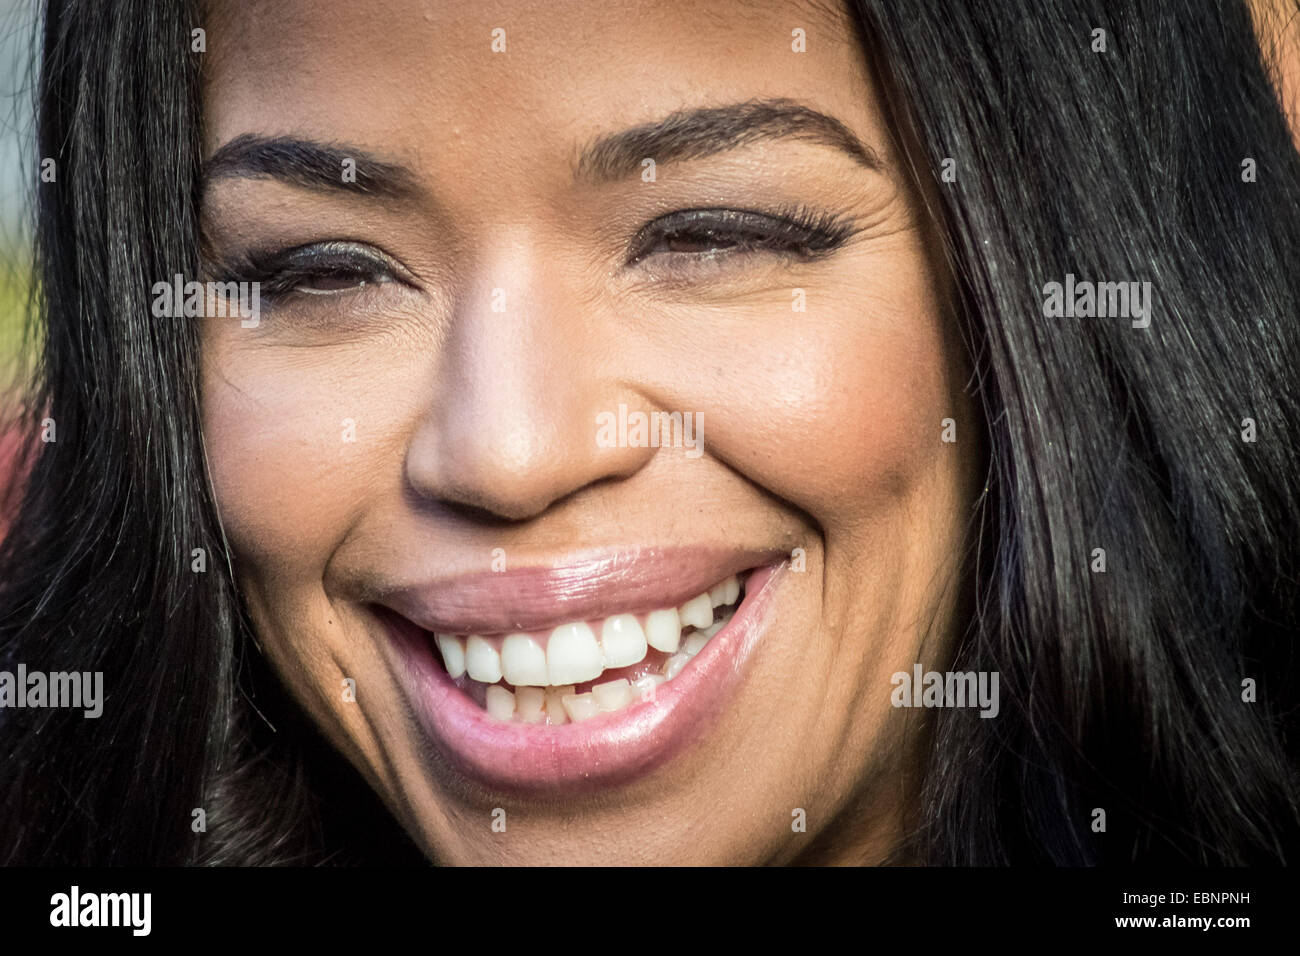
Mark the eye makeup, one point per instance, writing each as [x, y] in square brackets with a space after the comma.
[329, 268]
[793, 231]
[677, 244]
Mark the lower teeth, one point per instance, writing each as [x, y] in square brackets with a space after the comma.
[553, 705]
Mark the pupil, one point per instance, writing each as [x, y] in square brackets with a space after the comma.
[698, 243]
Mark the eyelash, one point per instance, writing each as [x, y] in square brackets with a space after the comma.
[283, 273]
[796, 232]
[790, 232]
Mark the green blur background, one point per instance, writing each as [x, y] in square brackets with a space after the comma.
[13, 302]
[18, 168]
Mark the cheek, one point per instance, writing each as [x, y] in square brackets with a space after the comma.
[292, 451]
[840, 409]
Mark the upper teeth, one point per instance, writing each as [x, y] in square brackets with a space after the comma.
[622, 641]
[574, 653]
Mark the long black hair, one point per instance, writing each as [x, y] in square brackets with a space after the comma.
[1164, 157]
[1161, 691]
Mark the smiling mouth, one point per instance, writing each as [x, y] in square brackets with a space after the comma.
[582, 669]
[589, 673]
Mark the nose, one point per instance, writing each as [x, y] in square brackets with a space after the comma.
[511, 425]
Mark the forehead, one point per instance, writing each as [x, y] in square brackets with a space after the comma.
[464, 82]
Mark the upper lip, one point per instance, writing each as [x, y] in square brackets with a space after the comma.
[588, 586]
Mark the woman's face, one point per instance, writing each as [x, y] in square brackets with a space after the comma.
[473, 282]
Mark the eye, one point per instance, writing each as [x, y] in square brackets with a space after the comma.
[711, 233]
[334, 281]
[334, 268]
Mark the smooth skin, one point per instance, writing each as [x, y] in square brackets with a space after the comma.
[474, 429]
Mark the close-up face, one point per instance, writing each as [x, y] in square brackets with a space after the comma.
[492, 240]
[575, 433]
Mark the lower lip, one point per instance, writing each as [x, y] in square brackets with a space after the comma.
[606, 750]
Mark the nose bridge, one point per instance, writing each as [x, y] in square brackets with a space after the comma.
[512, 424]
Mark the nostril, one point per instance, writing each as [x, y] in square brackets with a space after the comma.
[477, 515]
[487, 504]
[485, 489]
[498, 510]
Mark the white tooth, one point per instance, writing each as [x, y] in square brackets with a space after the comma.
[697, 612]
[715, 627]
[612, 695]
[725, 592]
[693, 644]
[523, 661]
[572, 654]
[529, 704]
[733, 590]
[453, 653]
[622, 640]
[580, 706]
[645, 687]
[555, 712]
[663, 630]
[500, 702]
[482, 660]
[673, 666]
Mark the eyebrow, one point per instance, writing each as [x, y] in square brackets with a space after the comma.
[702, 132]
[682, 135]
[309, 164]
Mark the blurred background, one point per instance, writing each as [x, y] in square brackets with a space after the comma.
[18, 169]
